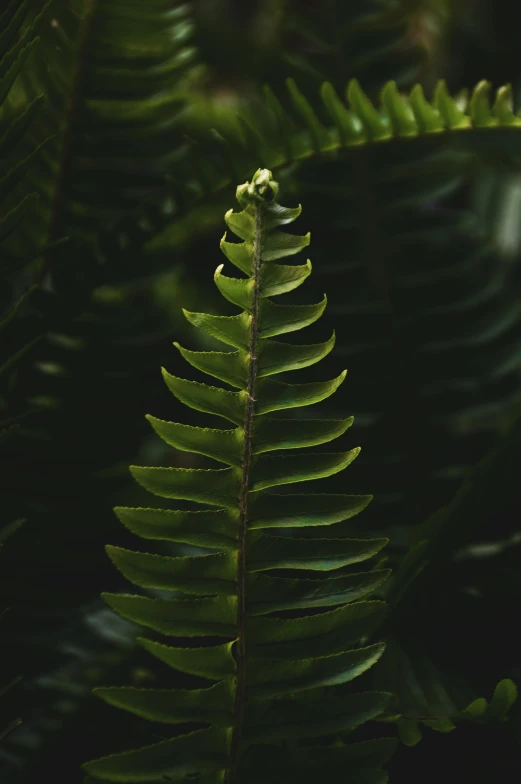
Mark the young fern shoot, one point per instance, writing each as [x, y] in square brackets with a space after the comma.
[280, 680]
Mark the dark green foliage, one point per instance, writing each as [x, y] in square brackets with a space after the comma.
[279, 678]
[5, 730]
[366, 39]
[111, 177]
[15, 48]
[281, 136]
[426, 697]
[113, 104]
[50, 345]
[60, 327]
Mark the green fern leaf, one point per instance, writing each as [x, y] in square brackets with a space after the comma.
[505, 695]
[276, 678]
[330, 126]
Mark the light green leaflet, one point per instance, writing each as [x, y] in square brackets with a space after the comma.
[284, 614]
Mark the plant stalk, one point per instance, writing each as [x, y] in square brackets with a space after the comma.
[240, 697]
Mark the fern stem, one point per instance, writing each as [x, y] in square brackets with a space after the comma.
[243, 502]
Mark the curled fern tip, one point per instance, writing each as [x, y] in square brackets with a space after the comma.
[261, 188]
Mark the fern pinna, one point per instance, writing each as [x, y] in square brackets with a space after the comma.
[281, 678]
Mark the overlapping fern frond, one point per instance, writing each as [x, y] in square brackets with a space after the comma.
[285, 606]
[113, 74]
[114, 77]
[114, 98]
[283, 136]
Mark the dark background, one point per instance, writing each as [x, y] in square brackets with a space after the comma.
[432, 395]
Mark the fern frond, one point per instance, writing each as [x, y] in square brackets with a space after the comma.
[280, 135]
[114, 76]
[278, 676]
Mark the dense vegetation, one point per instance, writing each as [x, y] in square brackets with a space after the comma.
[276, 634]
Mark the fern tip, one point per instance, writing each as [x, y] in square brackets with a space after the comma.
[262, 188]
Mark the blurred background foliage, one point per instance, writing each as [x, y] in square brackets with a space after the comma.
[120, 152]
